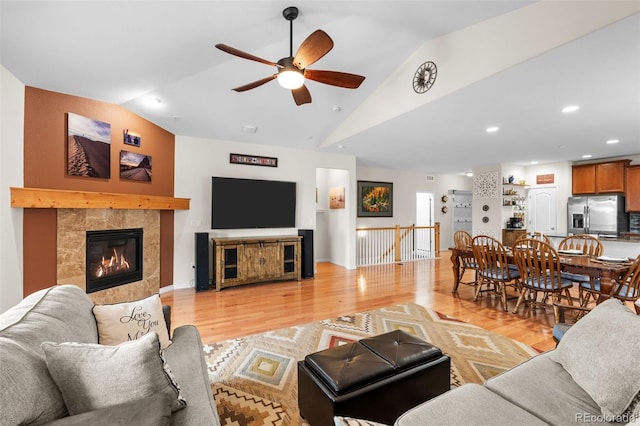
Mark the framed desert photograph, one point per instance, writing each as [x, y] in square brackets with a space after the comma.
[336, 198]
[135, 166]
[88, 147]
[375, 199]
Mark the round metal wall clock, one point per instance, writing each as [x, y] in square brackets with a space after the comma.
[424, 77]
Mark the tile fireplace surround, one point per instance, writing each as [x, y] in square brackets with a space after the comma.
[71, 251]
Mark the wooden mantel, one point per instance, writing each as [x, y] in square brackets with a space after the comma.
[38, 198]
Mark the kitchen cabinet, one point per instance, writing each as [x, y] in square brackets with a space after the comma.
[239, 261]
[632, 183]
[509, 236]
[599, 178]
[583, 179]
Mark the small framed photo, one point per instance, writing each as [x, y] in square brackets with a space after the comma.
[375, 199]
[132, 138]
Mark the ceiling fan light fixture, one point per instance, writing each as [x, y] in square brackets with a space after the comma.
[290, 79]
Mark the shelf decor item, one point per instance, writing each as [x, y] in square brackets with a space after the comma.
[375, 199]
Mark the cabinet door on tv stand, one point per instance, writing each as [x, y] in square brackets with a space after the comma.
[227, 266]
[290, 260]
[261, 261]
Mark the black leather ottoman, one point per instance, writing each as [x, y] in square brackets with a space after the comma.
[377, 379]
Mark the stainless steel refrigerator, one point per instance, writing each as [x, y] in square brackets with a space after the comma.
[597, 214]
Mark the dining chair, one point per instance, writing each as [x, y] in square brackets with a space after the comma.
[586, 245]
[539, 266]
[463, 240]
[535, 236]
[627, 286]
[494, 271]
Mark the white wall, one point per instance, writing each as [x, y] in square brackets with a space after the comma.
[11, 174]
[331, 224]
[405, 186]
[197, 160]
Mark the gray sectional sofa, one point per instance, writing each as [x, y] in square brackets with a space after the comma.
[29, 394]
[593, 376]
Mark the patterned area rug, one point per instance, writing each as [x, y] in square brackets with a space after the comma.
[254, 378]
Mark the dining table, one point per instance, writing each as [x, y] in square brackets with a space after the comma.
[580, 264]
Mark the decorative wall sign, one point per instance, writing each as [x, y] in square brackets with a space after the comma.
[253, 160]
[542, 179]
[132, 138]
[375, 199]
[88, 147]
[135, 166]
[336, 198]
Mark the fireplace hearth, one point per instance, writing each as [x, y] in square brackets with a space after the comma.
[114, 258]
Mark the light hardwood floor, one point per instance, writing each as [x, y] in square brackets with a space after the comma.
[335, 291]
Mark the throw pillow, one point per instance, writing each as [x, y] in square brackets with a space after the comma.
[350, 421]
[92, 376]
[121, 322]
[600, 352]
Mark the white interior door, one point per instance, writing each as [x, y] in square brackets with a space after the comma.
[542, 210]
[424, 217]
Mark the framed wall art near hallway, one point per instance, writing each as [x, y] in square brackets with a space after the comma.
[375, 199]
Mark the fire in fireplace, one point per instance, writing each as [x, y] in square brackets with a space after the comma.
[114, 257]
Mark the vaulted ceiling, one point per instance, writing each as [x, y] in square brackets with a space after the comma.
[509, 64]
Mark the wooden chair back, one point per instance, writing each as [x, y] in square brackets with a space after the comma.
[588, 244]
[539, 264]
[462, 239]
[627, 287]
[491, 258]
[533, 236]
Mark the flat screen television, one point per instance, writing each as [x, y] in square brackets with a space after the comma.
[251, 203]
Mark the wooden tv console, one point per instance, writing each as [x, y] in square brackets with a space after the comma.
[238, 261]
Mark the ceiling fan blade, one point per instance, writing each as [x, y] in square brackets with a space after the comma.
[335, 78]
[255, 84]
[244, 55]
[313, 48]
[301, 95]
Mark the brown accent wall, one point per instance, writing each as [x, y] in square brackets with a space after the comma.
[45, 166]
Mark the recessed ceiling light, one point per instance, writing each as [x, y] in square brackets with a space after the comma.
[469, 174]
[570, 108]
[340, 147]
[492, 129]
[336, 108]
[534, 162]
[587, 156]
[249, 128]
[613, 141]
[154, 101]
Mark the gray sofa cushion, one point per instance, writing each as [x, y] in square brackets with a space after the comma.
[600, 352]
[26, 383]
[186, 358]
[154, 410]
[542, 387]
[93, 376]
[469, 405]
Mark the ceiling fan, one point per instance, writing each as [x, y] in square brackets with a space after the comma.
[292, 70]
